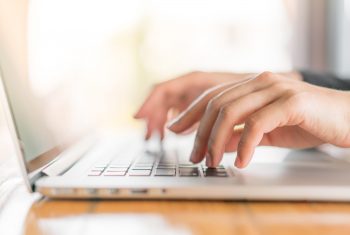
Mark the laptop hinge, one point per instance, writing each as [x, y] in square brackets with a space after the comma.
[68, 157]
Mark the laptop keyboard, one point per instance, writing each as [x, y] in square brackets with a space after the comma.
[154, 164]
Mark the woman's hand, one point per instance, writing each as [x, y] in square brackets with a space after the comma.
[175, 95]
[275, 111]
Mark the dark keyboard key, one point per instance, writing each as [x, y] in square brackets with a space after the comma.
[214, 172]
[189, 171]
[218, 167]
[165, 172]
[218, 174]
[139, 172]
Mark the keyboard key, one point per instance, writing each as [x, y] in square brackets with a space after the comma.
[218, 167]
[213, 172]
[94, 173]
[114, 173]
[117, 169]
[120, 165]
[166, 166]
[165, 172]
[144, 164]
[142, 168]
[218, 174]
[139, 173]
[189, 171]
[187, 165]
[188, 168]
[167, 161]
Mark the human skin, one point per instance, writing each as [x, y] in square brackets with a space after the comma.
[276, 110]
[175, 95]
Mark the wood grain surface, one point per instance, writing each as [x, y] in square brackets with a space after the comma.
[187, 217]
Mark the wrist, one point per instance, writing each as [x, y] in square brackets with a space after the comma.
[295, 75]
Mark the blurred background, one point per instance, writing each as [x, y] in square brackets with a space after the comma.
[94, 61]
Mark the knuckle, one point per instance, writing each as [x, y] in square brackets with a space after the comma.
[242, 142]
[157, 87]
[226, 113]
[267, 75]
[281, 86]
[214, 105]
[207, 92]
[292, 93]
[252, 124]
[199, 137]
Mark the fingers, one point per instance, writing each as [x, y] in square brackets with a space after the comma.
[197, 108]
[232, 114]
[156, 107]
[263, 121]
[155, 123]
[179, 93]
[173, 94]
[206, 123]
[234, 95]
[190, 130]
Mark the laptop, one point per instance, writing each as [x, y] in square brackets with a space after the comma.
[121, 166]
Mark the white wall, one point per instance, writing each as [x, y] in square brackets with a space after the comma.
[339, 37]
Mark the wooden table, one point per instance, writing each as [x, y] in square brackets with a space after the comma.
[187, 217]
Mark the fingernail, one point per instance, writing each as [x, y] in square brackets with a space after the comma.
[172, 123]
[238, 162]
[208, 160]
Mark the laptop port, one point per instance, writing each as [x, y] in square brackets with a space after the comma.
[139, 191]
[113, 191]
[91, 191]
